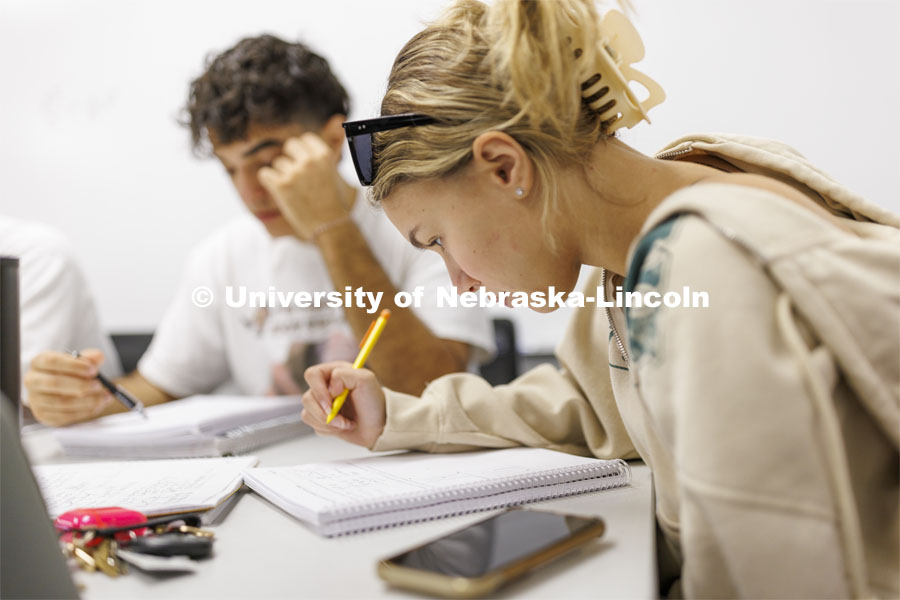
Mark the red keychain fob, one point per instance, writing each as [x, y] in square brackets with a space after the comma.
[101, 518]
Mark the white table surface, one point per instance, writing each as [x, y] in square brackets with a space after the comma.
[261, 552]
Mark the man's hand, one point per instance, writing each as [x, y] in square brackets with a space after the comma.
[63, 389]
[304, 183]
[362, 417]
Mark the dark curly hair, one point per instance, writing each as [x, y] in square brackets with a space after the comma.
[264, 80]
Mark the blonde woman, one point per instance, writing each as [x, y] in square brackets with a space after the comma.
[769, 417]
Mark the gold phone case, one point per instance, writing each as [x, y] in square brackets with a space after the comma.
[448, 586]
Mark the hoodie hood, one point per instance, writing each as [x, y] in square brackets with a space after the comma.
[779, 161]
[845, 286]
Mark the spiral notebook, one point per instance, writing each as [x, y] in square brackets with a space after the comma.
[341, 497]
[188, 428]
[154, 487]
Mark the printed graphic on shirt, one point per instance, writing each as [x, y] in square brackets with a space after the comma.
[307, 324]
[648, 272]
[288, 377]
[296, 339]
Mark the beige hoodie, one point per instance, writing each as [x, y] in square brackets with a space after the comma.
[769, 418]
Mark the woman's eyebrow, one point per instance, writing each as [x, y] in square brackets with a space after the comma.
[412, 238]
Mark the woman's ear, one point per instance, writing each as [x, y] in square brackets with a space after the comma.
[333, 133]
[502, 162]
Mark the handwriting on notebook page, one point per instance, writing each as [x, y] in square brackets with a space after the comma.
[148, 486]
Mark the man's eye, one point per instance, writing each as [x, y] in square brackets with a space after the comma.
[436, 242]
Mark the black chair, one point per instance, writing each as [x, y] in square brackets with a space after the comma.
[505, 366]
[130, 347]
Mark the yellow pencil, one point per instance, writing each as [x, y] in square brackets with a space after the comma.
[365, 348]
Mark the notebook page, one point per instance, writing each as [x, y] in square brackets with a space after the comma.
[151, 487]
[325, 487]
[185, 417]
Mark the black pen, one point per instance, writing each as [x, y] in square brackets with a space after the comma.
[127, 400]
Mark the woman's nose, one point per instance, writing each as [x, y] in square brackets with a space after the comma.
[459, 278]
[466, 283]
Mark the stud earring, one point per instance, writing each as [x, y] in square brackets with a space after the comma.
[520, 192]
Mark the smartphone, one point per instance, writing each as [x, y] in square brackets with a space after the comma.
[479, 559]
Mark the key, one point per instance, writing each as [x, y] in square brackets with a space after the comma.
[82, 557]
[118, 563]
[173, 544]
[103, 559]
[187, 529]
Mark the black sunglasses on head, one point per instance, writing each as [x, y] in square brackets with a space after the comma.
[359, 136]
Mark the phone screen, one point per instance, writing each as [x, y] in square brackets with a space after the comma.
[493, 543]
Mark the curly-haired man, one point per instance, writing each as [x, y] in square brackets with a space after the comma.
[271, 112]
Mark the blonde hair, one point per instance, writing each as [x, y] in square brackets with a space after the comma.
[515, 66]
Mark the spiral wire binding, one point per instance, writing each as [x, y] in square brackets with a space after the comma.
[245, 438]
[476, 498]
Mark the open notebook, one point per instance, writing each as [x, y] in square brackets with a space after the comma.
[348, 496]
[191, 427]
[153, 487]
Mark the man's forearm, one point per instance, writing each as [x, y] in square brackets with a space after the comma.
[135, 384]
[408, 355]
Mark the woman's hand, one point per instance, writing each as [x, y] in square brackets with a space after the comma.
[362, 417]
[63, 389]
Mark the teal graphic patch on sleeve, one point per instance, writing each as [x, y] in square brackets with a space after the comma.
[647, 273]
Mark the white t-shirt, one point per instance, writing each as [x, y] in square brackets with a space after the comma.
[57, 310]
[199, 349]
